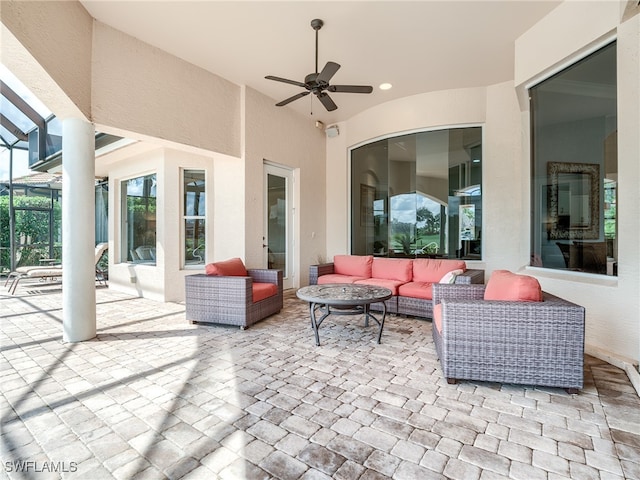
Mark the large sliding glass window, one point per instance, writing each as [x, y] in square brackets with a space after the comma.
[575, 167]
[139, 220]
[193, 186]
[418, 195]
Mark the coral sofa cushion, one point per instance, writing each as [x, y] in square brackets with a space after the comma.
[227, 268]
[392, 269]
[437, 317]
[506, 285]
[263, 290]
[421, 290]
[382, 282]
[337, 278]
[432, 270]
[353, 265]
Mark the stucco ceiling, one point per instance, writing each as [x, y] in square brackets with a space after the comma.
[417, 46]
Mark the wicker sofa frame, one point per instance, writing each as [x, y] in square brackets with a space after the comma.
[530, 343]
[229, 300]
[417, 307]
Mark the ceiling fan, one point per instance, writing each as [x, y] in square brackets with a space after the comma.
[318, 83]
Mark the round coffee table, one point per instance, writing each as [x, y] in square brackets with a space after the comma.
[344, 299]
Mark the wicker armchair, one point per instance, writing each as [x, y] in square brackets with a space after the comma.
[531, 343]
[229, 300]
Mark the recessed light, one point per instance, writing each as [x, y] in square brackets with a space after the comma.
[385, 86]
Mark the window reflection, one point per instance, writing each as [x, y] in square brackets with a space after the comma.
[139, 220]
[575, 167]
[409, 191]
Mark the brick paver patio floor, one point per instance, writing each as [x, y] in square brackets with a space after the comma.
[156, 397]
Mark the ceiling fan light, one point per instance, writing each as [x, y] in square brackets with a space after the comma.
[385, 86]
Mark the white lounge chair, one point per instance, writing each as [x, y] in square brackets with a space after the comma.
[53, 271]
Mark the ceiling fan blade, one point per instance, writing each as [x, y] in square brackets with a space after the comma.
[291, 99]
[327, 72]
[326, 101]
[350, 88]
[285, 80]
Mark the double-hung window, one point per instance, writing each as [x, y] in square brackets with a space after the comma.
[193, 217]
[139, 219]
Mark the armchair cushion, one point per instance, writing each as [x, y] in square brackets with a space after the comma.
[505, 285]
[263, 290]
[228, 268]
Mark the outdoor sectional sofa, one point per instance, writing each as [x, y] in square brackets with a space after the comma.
[410, 280]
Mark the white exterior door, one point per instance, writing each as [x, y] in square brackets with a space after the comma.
[279, 217]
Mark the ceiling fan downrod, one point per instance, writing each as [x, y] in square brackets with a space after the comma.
[316, 24]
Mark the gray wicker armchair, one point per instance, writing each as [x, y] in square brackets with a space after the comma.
[531, 343]
[229, 300]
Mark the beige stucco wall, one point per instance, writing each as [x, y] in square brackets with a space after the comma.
[47, 45]
[569, 28]
[229, 199]
[279, 136]
[143, 90]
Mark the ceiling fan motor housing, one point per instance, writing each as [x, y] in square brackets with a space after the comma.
[312, 83]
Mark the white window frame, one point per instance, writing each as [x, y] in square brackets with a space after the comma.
[184, 218]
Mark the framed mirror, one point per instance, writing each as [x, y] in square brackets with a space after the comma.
[574, 200]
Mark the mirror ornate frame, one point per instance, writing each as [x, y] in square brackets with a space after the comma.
[574, 200]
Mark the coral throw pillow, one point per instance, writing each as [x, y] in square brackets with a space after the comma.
[505, 285]
[227, 268]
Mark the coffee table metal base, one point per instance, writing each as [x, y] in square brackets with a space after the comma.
[326, 310]
[344, 299]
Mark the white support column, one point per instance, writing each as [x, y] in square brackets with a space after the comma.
[78, 230]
